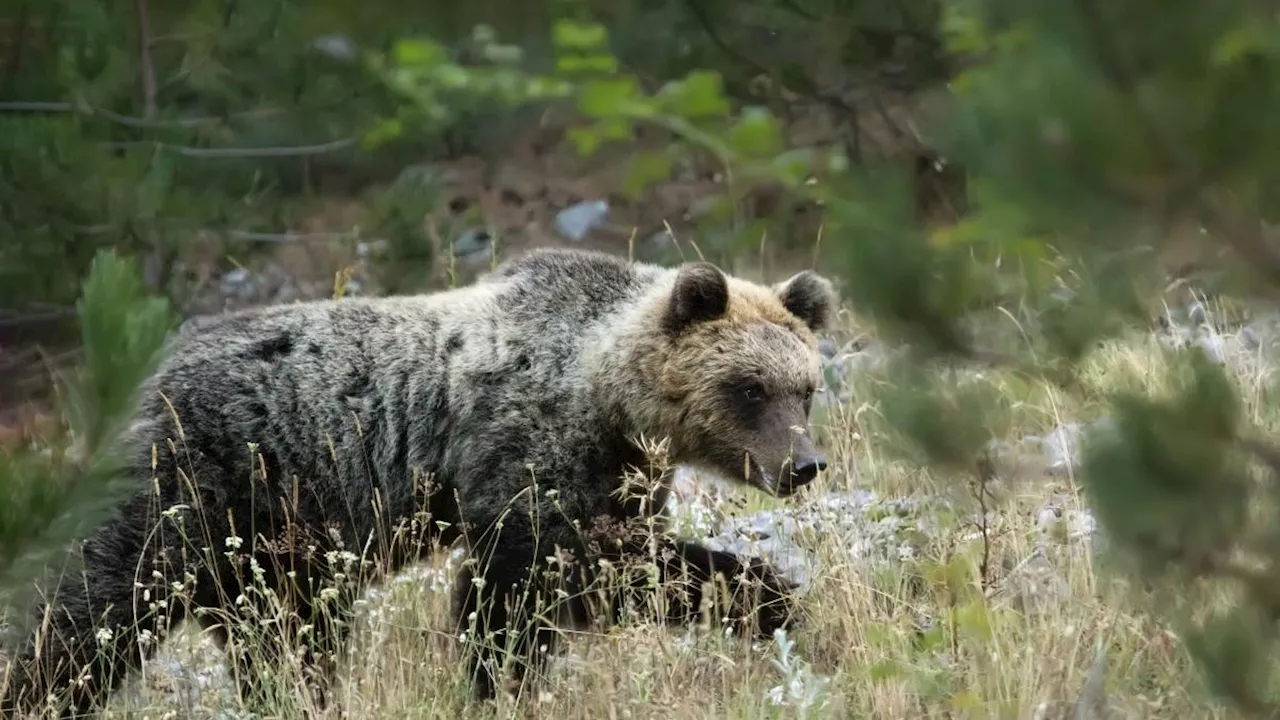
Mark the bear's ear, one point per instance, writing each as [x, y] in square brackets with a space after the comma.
[701, 293]
[810, 297]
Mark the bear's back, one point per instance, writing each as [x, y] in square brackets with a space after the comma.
[359, 392]
[570, 286]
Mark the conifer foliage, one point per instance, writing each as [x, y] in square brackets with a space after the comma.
[1095, 134]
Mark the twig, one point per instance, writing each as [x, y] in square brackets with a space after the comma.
[144, 56]
[13, 319]
[986, 473]
[46, 307]
[37, 106]
[284, 151]
[288, 237]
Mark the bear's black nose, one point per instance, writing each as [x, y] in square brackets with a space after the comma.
[806, 469]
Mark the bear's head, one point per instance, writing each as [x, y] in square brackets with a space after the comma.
[738, 373]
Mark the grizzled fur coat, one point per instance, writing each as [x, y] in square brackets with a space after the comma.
[286, 446]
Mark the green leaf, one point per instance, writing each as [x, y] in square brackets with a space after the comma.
[717, 210]
[646, 169]
[614, 128]
[541, 88]
[385, 131]
[698, 95]
[603, 98]
[1238, 42]
[571, 64]
[756, 134]
[793, 166]
[962, 32]
[454, 77]
[586, 139]
[568, 34]
[424, 54]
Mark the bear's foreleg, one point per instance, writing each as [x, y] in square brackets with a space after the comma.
[747, 591]
[495, 605]
[509, 598]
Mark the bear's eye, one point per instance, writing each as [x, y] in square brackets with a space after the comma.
[753, 392]
[808, 394]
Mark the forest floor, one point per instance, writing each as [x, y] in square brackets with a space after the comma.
[916, 607]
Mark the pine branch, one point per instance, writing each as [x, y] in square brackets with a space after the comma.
[47, 502]
[1245, 237]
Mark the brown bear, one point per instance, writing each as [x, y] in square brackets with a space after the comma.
[503, 415]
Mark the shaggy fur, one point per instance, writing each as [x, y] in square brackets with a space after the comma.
[507, 410]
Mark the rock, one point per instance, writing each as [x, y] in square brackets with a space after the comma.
[235, 283]
[1033, 586]
[372, 248]
[827, 348]
[1061, 446]
[575, 221]
[474, 247]
[659, 241]
[869, 530]
[1252, 336]
[1055, 454]
[1213, 345]
[471, 242]
[1197, 313]
[336, 46]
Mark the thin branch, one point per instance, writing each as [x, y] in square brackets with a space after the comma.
[36, 106]
[243, 152]
[144, 57]
[287, 237]
[17, 318]
[986, 471]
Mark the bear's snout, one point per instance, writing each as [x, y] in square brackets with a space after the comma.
[806, 469]
[800, 472]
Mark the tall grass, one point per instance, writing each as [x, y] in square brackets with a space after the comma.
[1015, 616]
